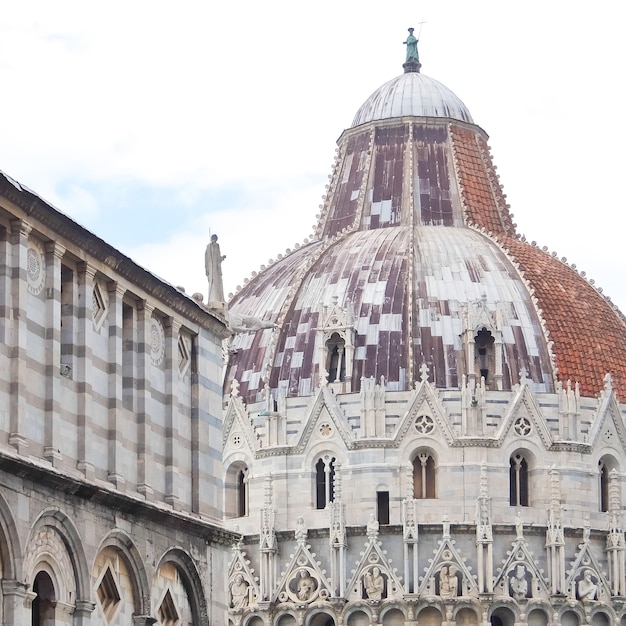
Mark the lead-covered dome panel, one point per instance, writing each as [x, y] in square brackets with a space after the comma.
[412, 94]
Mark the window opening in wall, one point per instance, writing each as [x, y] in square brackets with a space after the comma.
[423, 476]
[108, 594]
[42, 608]
[382, 506]
[324, 482]
[518, 481]
[604, 486]
[168, 615]
[335, 358]
[484, 341]
[242, 493]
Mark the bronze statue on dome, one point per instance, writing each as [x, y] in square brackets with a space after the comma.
[411, 42]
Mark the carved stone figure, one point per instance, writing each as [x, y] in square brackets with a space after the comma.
[411, 47]
[213, 266]
[587, 589]
[519, 584]
[448, 582]
[374, 584]
[519, 526]
[372, 527]
[301, 530]
[239, 592]
[305, 587]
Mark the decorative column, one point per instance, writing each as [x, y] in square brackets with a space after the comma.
[410, 538]
[82, 613]
[116, 293]
[268, 545]
[337, 538]
[142, 385]
[54, 254]
[615, 544]
[172, 413]
[84, 366]
[16, 602]
[484, 535]
[18, 368]
[555, 541]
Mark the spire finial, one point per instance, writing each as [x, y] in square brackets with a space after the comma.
[412, 63]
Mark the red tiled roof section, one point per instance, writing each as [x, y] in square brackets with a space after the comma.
[483, 198]
[588, 334]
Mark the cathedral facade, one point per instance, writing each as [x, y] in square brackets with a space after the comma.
[429, 429]
[110, 457]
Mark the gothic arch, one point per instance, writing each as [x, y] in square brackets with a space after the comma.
[255, 620]
[121, 542]
[602, 616]
[430, 615]
[358, 615]
[538, 615]
[572, 616]
[606, 464]
[191, 581]
[393, 615]
[236, 489]
[504, 614]
[522, 468]
[285, 618]
[425, 464]
[320, 617]
[11, 553]
[466, 613]
[505, 605]
[68, 534]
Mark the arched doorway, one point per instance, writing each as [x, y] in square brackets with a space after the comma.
[429, 616]
[537, 617]
[393, 617]
[569, 618]
[321, 619]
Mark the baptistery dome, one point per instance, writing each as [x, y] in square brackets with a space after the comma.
[416, 266]
[412, 94]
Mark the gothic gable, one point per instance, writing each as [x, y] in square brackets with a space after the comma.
[524, 417]
[426, 413]
[324, 410]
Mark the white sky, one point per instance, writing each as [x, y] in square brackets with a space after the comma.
[154, 124]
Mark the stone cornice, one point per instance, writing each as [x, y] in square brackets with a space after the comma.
[48, 477]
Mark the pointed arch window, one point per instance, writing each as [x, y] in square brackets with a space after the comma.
[518, 481]
[424, 476]
[336, 358]
[324, 481]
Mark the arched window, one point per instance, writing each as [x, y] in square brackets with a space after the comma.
[424, 484]
[606, 466]
[484, 355]
[236, 485]
[324, 481]
[336, 358]
[518, 481]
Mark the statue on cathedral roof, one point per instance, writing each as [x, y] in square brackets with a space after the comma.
[213, 266]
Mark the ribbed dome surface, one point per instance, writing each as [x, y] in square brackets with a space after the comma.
[412, 94]
[415, 263]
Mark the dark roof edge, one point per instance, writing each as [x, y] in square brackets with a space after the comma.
[36, 207]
